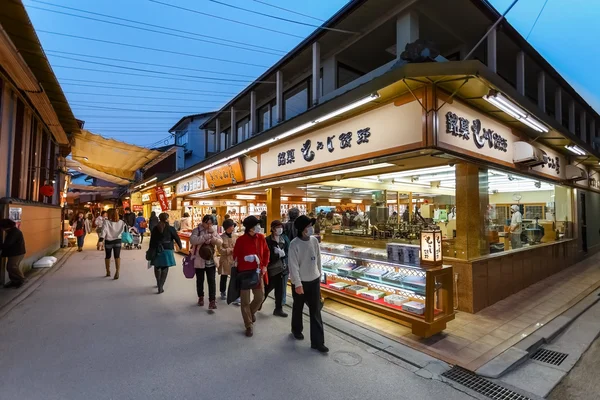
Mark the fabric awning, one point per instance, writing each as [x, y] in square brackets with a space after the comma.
[109, 159]
[89, 188]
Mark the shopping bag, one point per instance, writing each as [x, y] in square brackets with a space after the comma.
[126, 238]
[233, 291]
[189, 271]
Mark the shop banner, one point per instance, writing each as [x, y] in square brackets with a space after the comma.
[149, 197]
[382, 130]
[229, 173]
[162, 198]
[137, 208]
[473, 133]
[188, 185]
[125, 204]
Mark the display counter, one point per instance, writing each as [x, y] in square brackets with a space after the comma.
[420, 298]
[185, 241]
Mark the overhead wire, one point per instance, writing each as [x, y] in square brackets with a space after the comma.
[137, 110]
[148, 24]
[288, 10]
[93, 103]
[135, 87]
[536, 19]
[143, 97]
[226, 19]
[281, 18]
[56, 53]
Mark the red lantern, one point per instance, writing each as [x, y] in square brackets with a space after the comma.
[47, 190]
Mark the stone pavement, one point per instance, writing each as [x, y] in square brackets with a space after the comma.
[83, 336]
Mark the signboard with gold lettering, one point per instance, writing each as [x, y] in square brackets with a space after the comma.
[229, 173]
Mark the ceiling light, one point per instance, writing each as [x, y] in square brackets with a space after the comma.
[509, 107]
[575, 150]
[356, 201]
[145, 183]
[291, 132]
[245, 197]
[309, 199]
[284, 198]
[334, 200]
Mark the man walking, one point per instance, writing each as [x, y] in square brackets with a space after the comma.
[13, 248]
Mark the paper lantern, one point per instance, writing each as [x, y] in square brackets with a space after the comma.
[47, 190]
[431, 247]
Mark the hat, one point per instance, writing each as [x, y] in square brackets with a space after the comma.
[250, 222]
[302, 222]
[275, 224]
[228, 223]
[514, 208]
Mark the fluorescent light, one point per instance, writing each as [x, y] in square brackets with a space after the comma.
[309, 199]
[575, 150]
[245, 197]
[284, 135]
[347, 108]
[334, 200]
[283, 198]
[509, 107]
[356, 201]
[145, 183]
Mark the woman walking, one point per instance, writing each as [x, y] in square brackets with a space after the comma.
[252, 256]
[153, 221]
[161, 240]
[112, 229]
[228, 239]
[99, 222]
[278, 249]
[305, 272]
[78, 225]
[141, 225]
[204, 239]
[13, 249]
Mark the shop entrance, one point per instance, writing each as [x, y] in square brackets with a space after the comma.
[584, 244]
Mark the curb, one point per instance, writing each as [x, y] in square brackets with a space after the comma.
[34, 283]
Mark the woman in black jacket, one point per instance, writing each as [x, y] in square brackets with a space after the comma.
[278, 247]
[13, 248]
[153, 221]
[161, 242]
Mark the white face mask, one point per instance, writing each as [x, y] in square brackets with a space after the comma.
[257, 229]
[310, 231]
[278, 231]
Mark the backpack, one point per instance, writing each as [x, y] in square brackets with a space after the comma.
[143, 224]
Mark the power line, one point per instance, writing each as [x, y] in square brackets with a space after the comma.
[226, 19]
[136, 110]
[145, 63]
[126, 116]
[136, 87]
[536, 20]
[157, 72]
[145, 97]
[288, 10]
[151, 48]
[84, 103]
[151, 25]
[280, 18]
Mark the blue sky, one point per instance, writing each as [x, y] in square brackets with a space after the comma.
[565, 37]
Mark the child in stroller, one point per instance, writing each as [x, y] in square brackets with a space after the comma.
[136, 239]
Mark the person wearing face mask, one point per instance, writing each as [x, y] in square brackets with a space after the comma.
[228, 239]
[252, 256]
[304, 261]
[515, 227]
[278, 248]
[203, 240]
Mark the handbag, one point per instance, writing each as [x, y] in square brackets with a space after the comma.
[126, 238]
[78, 232]
[233, 290]
[189, 268]
[143, 224]
[152, 252]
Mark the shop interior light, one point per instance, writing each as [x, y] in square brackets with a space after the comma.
[284, 135]
[334, 200]
[356, 201]
[309, 199]
[245, 197]
[145, 183]
[284, 198]
[575, 150]
[500, 101]
[347, 108]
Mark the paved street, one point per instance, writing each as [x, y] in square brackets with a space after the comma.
[582, 382]
[82, 336]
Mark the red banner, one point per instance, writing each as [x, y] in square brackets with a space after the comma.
[162, 198]
[137, 208]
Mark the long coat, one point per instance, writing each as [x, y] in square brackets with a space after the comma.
[226, 252]
[199, 237]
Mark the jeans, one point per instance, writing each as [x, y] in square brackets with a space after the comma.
[112, 245]
[284, 281]
[80, 240]
[275, 284]
[212, 284]
[312, 298]
[223, 284]
[249, 308]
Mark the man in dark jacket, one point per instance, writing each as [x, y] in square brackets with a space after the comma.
[13, 248]
[289, 229]
[129, 217]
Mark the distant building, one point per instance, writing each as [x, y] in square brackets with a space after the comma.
[197, 144]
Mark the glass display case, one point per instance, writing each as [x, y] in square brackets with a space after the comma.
[418, 297]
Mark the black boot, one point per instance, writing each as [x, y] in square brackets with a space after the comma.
[163, 278]
[157, 275]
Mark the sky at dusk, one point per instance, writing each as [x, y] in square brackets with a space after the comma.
[206, 60]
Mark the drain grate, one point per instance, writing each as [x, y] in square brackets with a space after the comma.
[482, 385]
[549, 356]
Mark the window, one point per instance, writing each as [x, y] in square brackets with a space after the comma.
[182, 138]
[346, 74]
[535, 211]
[211, 141]
[18, 151]
[296, 100]
[243, 129]
[222, 140]
[266, 116]
[227, 138]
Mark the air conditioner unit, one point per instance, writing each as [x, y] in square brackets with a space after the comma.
[526, 154]
[574, 173]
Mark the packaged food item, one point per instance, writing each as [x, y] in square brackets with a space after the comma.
[358, 272]
[345, 269]
[375, 273]
[414, 307]
[339, 285]
[416, 283]
[373, 294]
[396, 299]
[356, 289]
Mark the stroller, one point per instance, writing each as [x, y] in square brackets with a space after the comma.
[136, 239]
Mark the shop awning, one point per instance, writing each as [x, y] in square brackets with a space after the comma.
[109, 159]
[87, 188]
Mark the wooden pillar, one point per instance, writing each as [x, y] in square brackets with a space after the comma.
[399, 216]
[279, 96]
[472, 199]
[316, 73]
[410, 207]
[253, 115]
[273, 207]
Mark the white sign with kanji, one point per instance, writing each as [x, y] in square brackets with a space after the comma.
[385, 128]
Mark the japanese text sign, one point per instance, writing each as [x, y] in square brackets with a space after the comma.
[162, 198]
[229, 173]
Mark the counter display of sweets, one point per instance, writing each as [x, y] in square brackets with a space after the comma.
[407, 254]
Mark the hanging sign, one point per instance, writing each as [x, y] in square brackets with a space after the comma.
[229, 173]
[162, 198]
[192, 184]
[137, 208]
